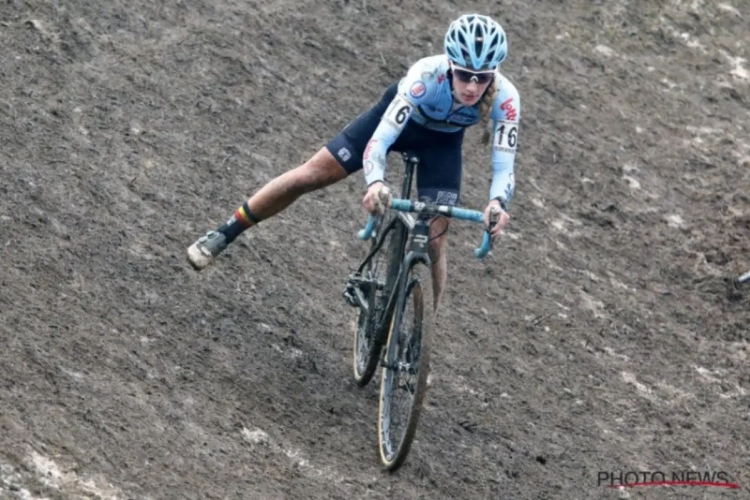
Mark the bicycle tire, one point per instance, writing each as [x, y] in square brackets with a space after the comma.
[364, 369]
[421, 293]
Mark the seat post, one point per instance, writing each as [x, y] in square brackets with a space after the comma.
[410, 163]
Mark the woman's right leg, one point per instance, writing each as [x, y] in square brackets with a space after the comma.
[342, 156]
[322, 170]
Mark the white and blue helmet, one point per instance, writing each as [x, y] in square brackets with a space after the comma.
[476, 42]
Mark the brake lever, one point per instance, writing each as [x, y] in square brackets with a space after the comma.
[486, 245]
[384, 194]
[369, 230]
[494, 216]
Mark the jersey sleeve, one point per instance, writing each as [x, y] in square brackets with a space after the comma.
[506, 114]
[412, 91]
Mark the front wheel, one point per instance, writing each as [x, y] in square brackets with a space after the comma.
[404, 376]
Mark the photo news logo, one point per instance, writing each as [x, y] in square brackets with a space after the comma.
[633, 479]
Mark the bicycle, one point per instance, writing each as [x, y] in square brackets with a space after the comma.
[383, 301]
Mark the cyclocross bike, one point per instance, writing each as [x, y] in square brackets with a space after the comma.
[394, 278]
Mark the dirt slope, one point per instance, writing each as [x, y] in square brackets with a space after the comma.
[599, 336]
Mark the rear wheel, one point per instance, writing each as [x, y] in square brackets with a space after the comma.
[380, 274]
[407, 361]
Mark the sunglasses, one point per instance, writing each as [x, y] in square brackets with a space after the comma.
[466, 76]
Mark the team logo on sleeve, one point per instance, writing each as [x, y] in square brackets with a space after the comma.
[418, 89]
[510, 111]
[368, 149]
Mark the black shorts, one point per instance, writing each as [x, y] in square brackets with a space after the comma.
[439, 169]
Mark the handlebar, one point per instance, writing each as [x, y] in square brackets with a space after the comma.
[404, 205]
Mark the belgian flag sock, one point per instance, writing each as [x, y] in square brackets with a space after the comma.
[242, 219]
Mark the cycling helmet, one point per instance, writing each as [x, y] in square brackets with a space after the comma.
[476, 42]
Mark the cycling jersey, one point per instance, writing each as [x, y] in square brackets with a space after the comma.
[425, 97]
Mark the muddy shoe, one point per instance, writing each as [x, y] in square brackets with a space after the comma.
[203, 251]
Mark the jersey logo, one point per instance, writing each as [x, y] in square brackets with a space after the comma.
[510, 112]
[418, 89]
[368, 149]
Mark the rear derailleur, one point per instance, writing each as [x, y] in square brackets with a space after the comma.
[357, 290]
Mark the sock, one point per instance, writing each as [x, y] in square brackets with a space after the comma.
[242, 219]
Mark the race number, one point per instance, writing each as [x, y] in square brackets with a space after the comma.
[506, 136]
[398, 112]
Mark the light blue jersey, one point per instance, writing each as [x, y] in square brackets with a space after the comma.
[425, 97]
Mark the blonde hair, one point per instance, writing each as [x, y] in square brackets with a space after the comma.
[485, 110]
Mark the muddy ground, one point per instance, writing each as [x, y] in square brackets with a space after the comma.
[600, 335]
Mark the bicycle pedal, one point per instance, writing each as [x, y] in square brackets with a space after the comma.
[350, 299]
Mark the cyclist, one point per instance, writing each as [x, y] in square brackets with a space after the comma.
[426, 112]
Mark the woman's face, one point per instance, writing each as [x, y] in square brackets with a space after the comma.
[469, 85]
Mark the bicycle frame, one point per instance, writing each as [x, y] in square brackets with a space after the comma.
[416, 245]
[417, 230]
